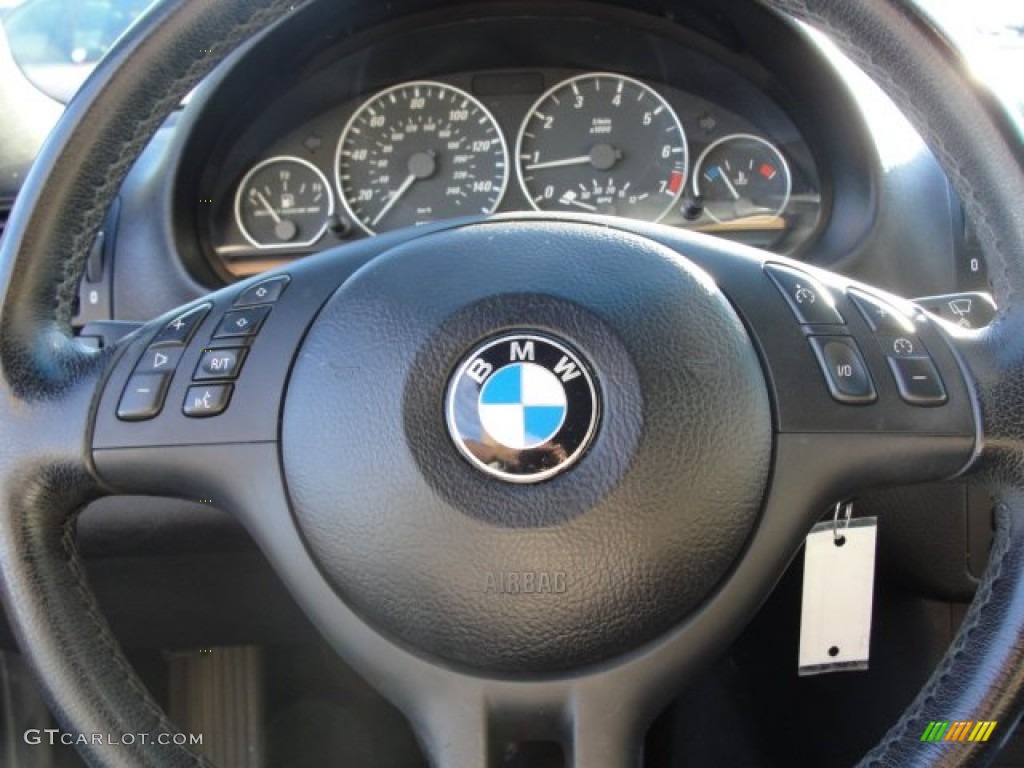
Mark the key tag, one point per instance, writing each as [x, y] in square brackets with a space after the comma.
[839, 581]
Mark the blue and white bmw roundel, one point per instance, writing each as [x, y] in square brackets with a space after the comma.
[522, 407]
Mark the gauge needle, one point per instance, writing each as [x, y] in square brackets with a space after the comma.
[579, 160]
[409, 181]
[729, 185]
[266, 204]
[578, 204]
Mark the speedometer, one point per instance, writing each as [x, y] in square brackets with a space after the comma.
[420, 152]
[603, 143]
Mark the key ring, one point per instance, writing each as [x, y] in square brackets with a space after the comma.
[846, 507]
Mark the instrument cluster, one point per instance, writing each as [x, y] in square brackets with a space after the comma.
[477, 143]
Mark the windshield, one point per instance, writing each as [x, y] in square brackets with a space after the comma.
[991, 34]
[58, 42]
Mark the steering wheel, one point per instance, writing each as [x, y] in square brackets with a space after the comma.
[682, 410]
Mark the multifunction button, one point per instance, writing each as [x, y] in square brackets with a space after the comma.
[181, 328]
[265, 292]
[845, 371]
[918, 380]
[159, 359]
[902, 346]
[810, 301]
[220, 364]
[880, 316]
[143, 396]
[223, 364]
[241, 323]
[207, 400]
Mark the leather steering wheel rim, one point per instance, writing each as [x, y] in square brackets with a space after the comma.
[46, 473]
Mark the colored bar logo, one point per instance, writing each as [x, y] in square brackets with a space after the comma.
[958, 730]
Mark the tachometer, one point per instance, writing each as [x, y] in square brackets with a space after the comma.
[284, 202]
[603, 143]
[420, 152]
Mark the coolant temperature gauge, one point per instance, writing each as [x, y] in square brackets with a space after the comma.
[742, 176]
[284, 202]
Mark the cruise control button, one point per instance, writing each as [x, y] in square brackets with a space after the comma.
[244, 322]
[266, 292]
[220, 364]
[143, 396]
[880, 316]
[918, 380]
[207, 400]
[845, 371]
[181, 328]
[902, 346]
[810, 301]
[159, 359]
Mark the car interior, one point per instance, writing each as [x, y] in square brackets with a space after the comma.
[597, 383]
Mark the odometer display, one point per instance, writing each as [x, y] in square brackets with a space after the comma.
[603, 143]
[420, 152]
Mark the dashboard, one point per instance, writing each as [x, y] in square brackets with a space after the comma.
[510, 115]
[334, 128]
[552, 140]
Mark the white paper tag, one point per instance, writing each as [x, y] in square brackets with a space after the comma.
[839, 582]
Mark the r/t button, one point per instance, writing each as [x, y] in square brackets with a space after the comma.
[220, 364]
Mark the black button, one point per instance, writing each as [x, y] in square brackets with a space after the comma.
[244, 322]
[181, 328]
[918, 380]
[881, 317]
[902, 346]
[207, 400]
[810, 301]
[219, 364]
[94, 264]
[159, 359]
[845, 371]
[143, 397]
[266, 292]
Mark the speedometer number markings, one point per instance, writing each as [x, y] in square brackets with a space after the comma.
[420, 152]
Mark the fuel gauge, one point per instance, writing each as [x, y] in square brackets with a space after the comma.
[742, 176]
[283, 202]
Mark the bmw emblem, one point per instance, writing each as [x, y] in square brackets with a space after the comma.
[522, 407]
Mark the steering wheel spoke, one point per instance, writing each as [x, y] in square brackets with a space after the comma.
[210, 378]
[864, 384]
[457, 730]
[465, 722]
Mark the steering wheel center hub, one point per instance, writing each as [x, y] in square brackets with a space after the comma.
[526, 446]
[522, 407]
